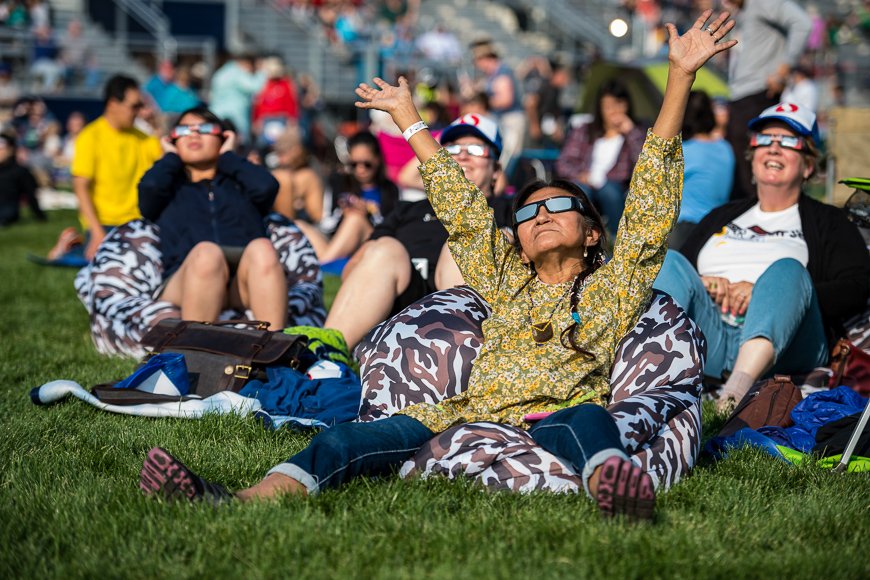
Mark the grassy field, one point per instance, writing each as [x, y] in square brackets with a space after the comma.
[70, 506]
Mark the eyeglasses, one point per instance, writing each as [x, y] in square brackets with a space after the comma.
[366, 164]
[474, 149]
[554, 205]
[202, 129]
[786, 141]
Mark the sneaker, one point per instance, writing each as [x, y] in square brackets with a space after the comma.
[164, 476]
[726, 404]
[624, 488]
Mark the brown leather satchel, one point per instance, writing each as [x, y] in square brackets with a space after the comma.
[220, 357]
[767, 403]
[851, 367]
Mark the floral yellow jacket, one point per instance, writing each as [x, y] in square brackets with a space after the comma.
[512, 375]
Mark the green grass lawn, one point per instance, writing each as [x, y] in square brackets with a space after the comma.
[70, 506]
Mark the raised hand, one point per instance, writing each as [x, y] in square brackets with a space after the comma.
[397, 101]
[690, 51]
[386, 97]
[229, 143]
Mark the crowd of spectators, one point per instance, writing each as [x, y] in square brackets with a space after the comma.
[275, 110]
[210, 170]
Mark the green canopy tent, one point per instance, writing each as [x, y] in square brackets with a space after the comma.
[646, 85]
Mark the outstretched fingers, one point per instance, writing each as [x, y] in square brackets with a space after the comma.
[382, 96]
[721, 46]
[702, 19]
[364, 92]
[720, 20]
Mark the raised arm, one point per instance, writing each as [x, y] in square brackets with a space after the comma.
[158, 185]
[653, 200]
[686, 54]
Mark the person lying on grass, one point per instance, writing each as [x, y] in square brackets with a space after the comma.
[558, 313]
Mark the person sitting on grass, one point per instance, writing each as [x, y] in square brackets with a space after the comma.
[209, 205]
[16, 184]
[300, 195]
[361, 198]
[771, 280]
[558, 313]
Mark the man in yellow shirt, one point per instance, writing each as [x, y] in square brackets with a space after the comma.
[110, 158]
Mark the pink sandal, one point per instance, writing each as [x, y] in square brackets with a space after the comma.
[162, 475]
[624, 488]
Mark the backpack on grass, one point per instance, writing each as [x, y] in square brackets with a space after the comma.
[768, 403]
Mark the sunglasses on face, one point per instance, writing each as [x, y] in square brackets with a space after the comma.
[202, 129]
[786, 141]
[474, 150]
[554, 205]
[365, 164]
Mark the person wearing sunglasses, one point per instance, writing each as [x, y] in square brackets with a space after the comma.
[362, 195]
[209, 204]
[770, 280]
[111, 155]
[558, 312]
[406, 257]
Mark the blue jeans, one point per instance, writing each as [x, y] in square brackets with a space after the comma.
[783, 309]
[584, 436]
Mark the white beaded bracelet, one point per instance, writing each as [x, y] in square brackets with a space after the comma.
[414, 129]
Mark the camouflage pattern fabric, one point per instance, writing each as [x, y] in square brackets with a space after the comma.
[425, 354]
[118, 288]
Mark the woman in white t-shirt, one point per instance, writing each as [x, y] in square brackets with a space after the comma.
[770, 281]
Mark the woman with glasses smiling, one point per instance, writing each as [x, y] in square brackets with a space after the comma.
[771, 280]
[209, 205]
[558, 312]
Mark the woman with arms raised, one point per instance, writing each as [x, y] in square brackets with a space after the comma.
[558, 313]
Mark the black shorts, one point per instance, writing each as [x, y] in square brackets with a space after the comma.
[417, 288]
[233, 256]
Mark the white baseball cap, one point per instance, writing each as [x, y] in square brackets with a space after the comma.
[473, 124]
[799, 118]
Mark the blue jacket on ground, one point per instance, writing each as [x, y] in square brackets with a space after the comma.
[288, 394]
[817, 409]
[227, 210]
